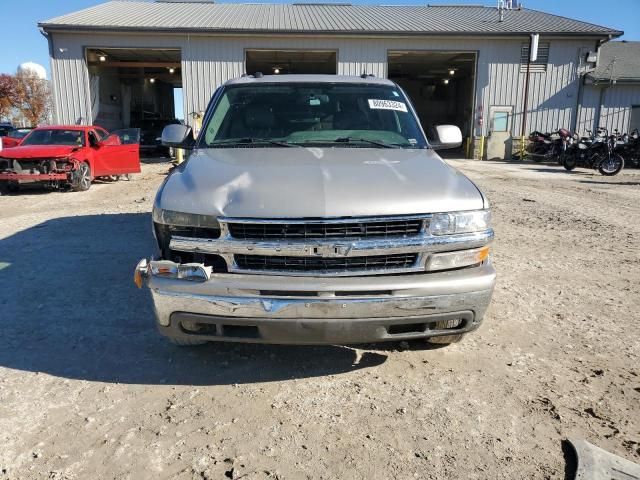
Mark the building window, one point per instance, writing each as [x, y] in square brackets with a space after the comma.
[540, 65]
[500, 121]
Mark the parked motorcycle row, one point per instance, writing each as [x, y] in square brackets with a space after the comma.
[603, 151]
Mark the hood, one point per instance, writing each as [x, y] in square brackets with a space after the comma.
[316, 182]
[38, 151]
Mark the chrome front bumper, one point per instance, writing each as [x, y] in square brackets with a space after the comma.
[319, 310]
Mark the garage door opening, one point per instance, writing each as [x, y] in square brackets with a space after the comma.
[270, 62]
[440, 84]
[135, 88]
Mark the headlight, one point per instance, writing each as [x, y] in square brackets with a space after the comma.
[460, 222]
[180, 219]
[187, 271]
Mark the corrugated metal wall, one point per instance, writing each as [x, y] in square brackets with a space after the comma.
[70, 84]
[208, 61]
[615, 112]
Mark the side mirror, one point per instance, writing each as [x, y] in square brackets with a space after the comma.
[179, 136]
[449, 136]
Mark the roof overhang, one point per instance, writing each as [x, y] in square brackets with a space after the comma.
[52, 28]
[607, 82]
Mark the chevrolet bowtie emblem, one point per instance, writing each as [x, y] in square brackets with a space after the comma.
[331, 250]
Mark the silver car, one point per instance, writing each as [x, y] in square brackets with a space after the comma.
[313, 210]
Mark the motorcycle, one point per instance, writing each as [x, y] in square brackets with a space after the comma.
[629, 148]
[546, 147]
[597, 152]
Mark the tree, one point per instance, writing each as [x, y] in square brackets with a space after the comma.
[7, 94]
[33, 97]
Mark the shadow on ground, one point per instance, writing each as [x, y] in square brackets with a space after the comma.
[155, 159]
[597, 182]
[70, 309]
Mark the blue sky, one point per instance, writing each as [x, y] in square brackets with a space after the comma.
[23, 41]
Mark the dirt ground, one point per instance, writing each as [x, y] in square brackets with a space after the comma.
[88, 389]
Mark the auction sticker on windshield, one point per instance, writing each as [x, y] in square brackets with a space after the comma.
[387, 105]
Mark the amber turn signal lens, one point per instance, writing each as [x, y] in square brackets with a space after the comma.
[139, 272]
[459, 259]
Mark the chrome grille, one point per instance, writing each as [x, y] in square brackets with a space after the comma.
[317, 247]
[315, 230]
[324, 264]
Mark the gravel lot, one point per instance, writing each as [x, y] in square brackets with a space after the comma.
[88, 389]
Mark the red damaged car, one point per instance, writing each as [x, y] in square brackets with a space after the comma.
[70, 157]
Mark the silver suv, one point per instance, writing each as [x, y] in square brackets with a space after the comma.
[313, 210]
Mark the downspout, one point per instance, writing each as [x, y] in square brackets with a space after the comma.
[185, 103]
[54, 117]
[574, 122]
[598, 115]
[526, 92]
[583, 79]
[603, 91]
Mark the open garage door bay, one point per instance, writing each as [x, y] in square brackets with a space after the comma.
[135, 88]
[441, 85]
[270, 62]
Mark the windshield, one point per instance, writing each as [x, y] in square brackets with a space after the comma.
[312, 114]
[55, 137]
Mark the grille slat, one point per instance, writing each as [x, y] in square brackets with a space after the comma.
[361, 229]
[323, 264]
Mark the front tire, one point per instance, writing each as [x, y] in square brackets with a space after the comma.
[569, 162]
[612, 165]
[81, 178]
[12, 187]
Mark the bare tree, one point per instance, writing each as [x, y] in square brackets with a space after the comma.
[33, 97]
[7, 94]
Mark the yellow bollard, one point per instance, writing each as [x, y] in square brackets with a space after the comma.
[482, 147]
[179, 156]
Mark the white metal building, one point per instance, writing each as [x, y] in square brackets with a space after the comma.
[611, 97]
[120, 61]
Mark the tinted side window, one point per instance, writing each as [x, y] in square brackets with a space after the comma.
[102, 134]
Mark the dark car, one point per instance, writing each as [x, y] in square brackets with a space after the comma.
[5, 128]
[150, 133]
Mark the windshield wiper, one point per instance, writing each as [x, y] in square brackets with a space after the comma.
[251, 141]
[366, 140]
